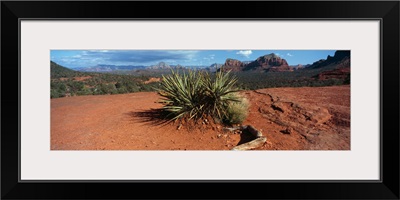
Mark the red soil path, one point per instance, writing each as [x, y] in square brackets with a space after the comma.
[317, 119]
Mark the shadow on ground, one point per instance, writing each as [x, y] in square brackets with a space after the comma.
[245, 137]
[156, 117]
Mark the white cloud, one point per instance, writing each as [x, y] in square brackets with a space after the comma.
[245, 53]
[288, 54]
[101, 51]
[184, 53]
[210, 57]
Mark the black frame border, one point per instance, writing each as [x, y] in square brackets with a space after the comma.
[200, 181]
[386, 11]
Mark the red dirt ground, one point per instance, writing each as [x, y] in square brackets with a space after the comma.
[317, 119]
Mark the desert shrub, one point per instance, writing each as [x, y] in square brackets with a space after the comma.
[122, 90]
[347, 80]
[85, 91]
[218, 93]
[54, 94]
[183, 95]
[75, 86]
[237, 111]
[107, 89]
[198, 95]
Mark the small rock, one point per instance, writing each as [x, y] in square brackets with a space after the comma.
[219, 135]
[288, 130]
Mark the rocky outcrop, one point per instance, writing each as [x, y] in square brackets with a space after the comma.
[341, 73]
[215, 66]
[337, 67]
[270, 60]
[257, 142]
[269, 63]
[341, 57]
[317, 64]
[233, 62]
[160, 65]
[233, 65]
[297, 67]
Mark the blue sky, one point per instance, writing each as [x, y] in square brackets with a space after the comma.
[89, 58]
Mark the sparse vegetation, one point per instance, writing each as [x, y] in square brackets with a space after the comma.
[66, 82]
[299, 78]
[237, 111]
[199, 95]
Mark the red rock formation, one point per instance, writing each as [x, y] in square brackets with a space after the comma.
[341, 57]
[341, 73]
[270, 62]
[233, 65]
[341, 64]
[297, 67]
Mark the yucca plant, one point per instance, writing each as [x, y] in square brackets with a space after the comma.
[218, 90]
[197, 95]
[182, 95]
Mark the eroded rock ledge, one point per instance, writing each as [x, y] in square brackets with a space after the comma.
[257, 142]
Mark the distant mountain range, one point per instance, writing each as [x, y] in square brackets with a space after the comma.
[159, 66]
[58, 71]
[337, 66]
[341, 57]
[163, 65]
[274, 63]
[267, 63]
[109, 68]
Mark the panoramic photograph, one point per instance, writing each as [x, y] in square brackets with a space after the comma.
[236, 100]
